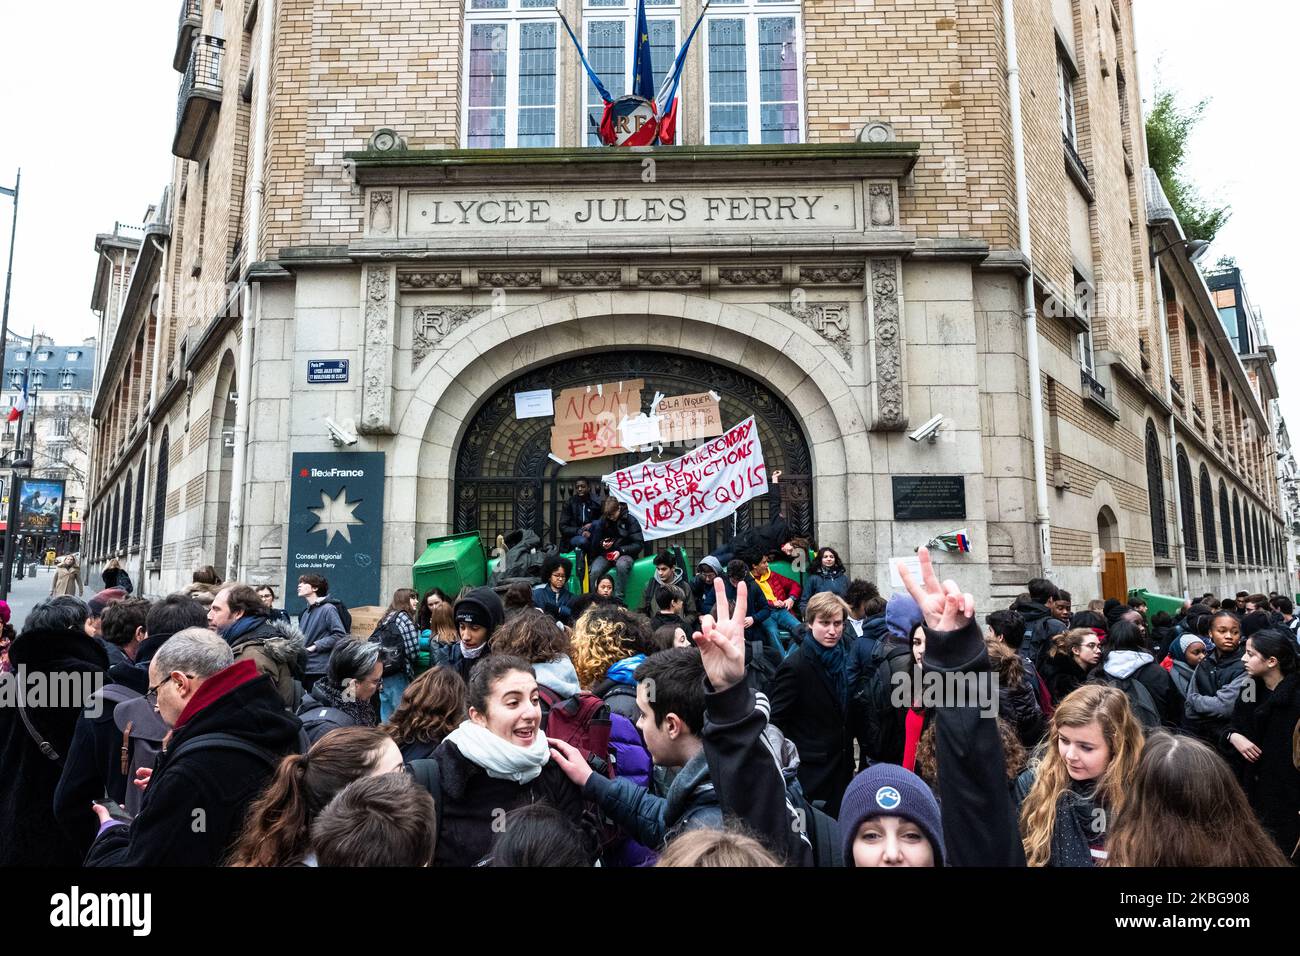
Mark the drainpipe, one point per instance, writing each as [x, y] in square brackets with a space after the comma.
[251, 303]
[1042, 518]
[1179, 549]
[147, 458]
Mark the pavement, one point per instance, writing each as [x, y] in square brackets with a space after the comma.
[25, 593]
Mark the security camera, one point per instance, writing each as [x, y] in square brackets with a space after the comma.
[928, 431]
[339, 435]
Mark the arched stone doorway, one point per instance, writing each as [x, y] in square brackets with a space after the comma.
[504, 478]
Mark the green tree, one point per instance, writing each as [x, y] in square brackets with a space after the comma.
[1168, 127]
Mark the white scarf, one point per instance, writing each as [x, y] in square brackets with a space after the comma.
[472, 653]
[500, 758]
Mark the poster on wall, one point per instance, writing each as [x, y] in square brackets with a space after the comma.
[587, 419]
[40, 506]
[685, 417]
[336, 523]
[700, 487]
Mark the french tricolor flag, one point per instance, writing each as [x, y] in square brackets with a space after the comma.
[666, 100]
[19, 406]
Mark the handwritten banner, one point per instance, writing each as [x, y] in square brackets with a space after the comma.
[705, 485]
[587, 419]
[683, 417]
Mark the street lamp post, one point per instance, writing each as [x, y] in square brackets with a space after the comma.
[4, 341]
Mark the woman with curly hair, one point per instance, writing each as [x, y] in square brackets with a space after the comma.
[608, 645]
[277, 828]
[1079, 779]
[1179, 785]
[432, 706]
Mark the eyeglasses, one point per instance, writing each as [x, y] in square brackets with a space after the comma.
[152, 696]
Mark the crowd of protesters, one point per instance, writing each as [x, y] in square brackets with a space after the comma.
[727, 715]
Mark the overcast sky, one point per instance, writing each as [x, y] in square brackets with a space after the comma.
[88, 99]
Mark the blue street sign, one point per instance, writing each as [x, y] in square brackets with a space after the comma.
[327, 370]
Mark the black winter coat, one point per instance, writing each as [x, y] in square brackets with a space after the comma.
[979, 817]
[1272, 782]
[627, 535]
[1061, 674]
[807, 710]
[576, 513]
[472, 801]
[29, 834]
[462, 665]
[1040, 627]
[220, 783]
[92, 770]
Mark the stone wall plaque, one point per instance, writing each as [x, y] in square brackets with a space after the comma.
[925, 497]
[745, 209]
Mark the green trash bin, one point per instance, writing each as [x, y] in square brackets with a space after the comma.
[786, 569]
[1157, 602]
[451, 563]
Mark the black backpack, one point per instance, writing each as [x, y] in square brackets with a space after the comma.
[124, 582]
[1140, 700]
[389, 638]
[822, 830]
[344, 614]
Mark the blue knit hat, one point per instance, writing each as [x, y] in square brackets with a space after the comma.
[887, 790]
[903, 616]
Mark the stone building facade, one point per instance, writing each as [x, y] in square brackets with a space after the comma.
[835, 247]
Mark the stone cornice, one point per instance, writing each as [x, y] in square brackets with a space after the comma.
[672, 164]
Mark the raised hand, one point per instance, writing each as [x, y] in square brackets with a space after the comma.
[945, 606]
[722, 642]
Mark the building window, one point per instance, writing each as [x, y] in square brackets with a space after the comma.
[67, 378]
[1187, 503]
[1236, 523]
[510, 73]
[1156, 494]
[1225, 520]
[61, 426]
[609, 27]
[159, 500]
[38, 377]
[1228, 316]
[1083, 305]
[43, 355]
[72, 356]
[1207, 516]
[20, 356]
[753, 73]
[1065, 91]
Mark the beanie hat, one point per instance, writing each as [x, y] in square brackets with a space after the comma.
[4, 612]
[903, 616]
[103, 599]
[481, 607]
[1115, 610]
[887, 790]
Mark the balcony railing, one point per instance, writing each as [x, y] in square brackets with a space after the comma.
[191, 21]
[199, 99]
[1091, 386]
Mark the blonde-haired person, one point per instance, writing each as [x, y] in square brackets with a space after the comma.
[1079, 779]
[731, 847]
[608, 644]
[1179, 784]
[1072, 655]
[67, 577]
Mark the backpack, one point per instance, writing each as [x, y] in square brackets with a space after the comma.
[328, 718]
[124, 582]
[822, 830]
[1037, 640]
[220, 741]
[344, 614]
[761, 666]
[1140, 700]
[581, 720]
[389, 638]
[142, 730]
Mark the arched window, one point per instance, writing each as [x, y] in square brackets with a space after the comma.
[124, 537]
[1187, 502]
[1236, 524]
[114, 523]
[137, 523]
[1156, 494]
[1250, 534]
[1254, 529]
[159, 500]
[1207, 516]
[1225, 519]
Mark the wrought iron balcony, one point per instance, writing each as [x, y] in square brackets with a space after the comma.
[200, 98]
[1091, 386]
[191, 21]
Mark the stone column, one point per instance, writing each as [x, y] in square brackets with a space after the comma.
[379, 320]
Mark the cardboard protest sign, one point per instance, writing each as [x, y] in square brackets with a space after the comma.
[700, 487]
[683, 417]
[587, 419]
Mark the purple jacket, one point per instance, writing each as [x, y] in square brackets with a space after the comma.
[631, 760]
